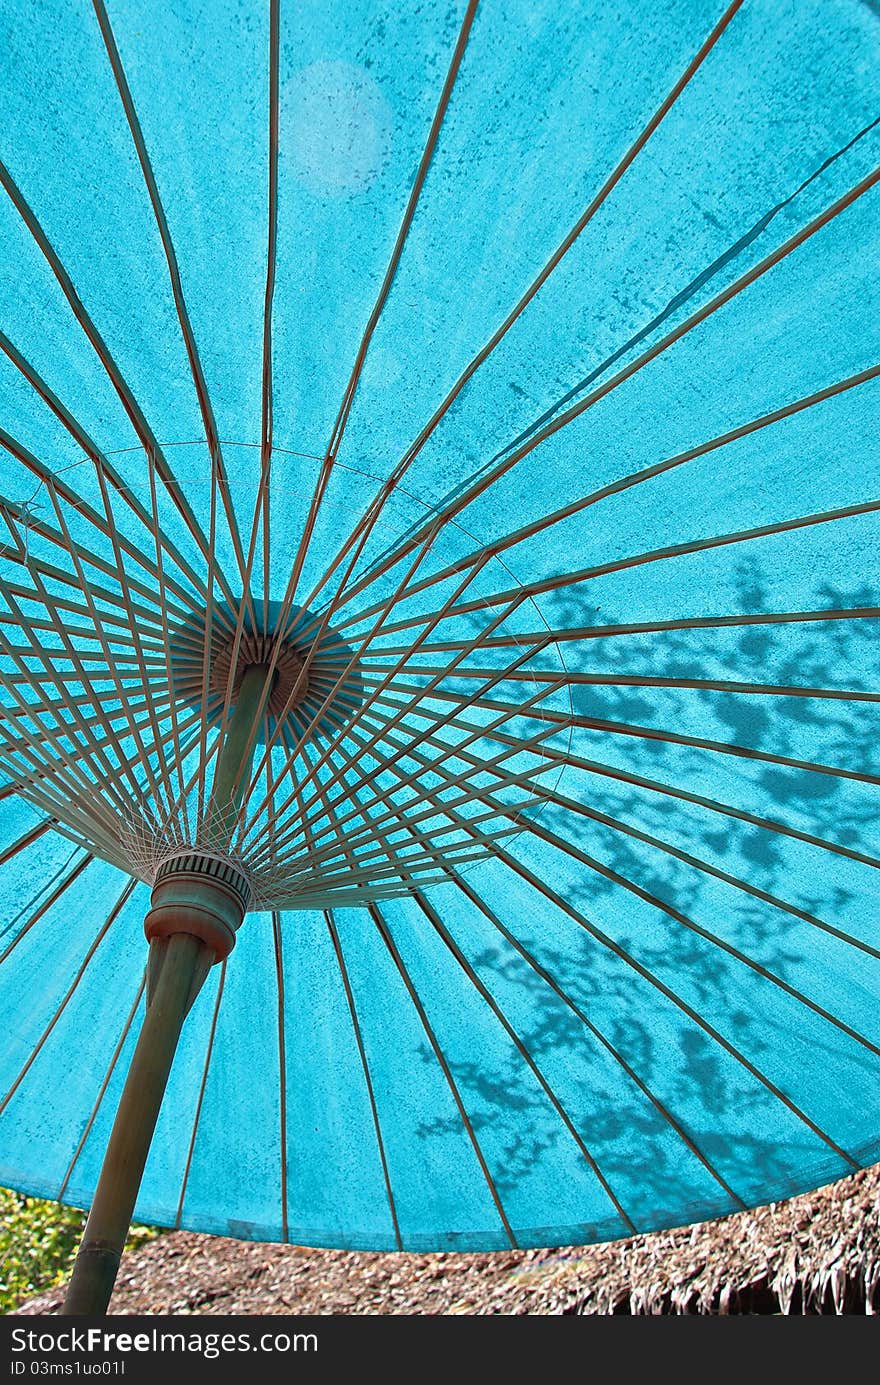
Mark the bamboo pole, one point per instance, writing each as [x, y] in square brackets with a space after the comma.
[177, 967]
[94, 1272]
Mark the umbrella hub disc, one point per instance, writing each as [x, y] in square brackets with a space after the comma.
[291, 681]
[317, 687]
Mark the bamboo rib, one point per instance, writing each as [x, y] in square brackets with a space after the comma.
[363, 529]
[485, 480]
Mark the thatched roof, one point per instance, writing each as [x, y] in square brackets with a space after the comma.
[819, 1253]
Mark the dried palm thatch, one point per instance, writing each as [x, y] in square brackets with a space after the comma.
[818, 1253]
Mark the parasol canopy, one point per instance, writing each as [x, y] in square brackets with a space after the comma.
[439, 505]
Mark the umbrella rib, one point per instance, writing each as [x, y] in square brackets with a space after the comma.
[68, 995]
[303, 753]
[52, 481]
[142, 664]
[356, 873]
[272, 737]
[368, 1081]
[279, 734]
[653, 555]
[571, 805]
[56, 574]
[122, 636]
[89, 838]
[69, 808]
[474, 979]
[679, 917]
[592, 723]
[96, 660]
[97, 747]
[282, 1070]
[49, 802]
[65, 729]
[567, 720]
[495, 471]
[71, 805]
[213, 569]
[401, 664]
[343, 885]
[649, 473]
[106, 843]
[112, 664]
[126, 398]
[27, 839]
[418, 183]
[321, 623]
[262, 501]
[166, 641]
[90, 699]
[404, 866]
[73, 874]
[542, 794]
[368, 520]
[126, 660]
[395, 812]
[123, 633]
[266, 400]
[601, 632]
[386, 762]
[667, 1115]
[99, 460]
[209, 1049]
[385, 934]
[742, 243]
[424, 795]
[629, 960]
[198, 774]
[18, 514]
[706, 868]
[720, 748]
[103, 1088]
[298, 684]
[659, 1106]
[377, 625]
[219, 478]
[638, 680]
[714, 805]
[366, 870]
[342, 869]
[328, 809]
[315, 635]
[449, 750]
[178, 802]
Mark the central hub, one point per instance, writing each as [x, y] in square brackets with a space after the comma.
[317, 686]
[290, 686]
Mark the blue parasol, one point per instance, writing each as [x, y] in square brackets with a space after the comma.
[438, 593]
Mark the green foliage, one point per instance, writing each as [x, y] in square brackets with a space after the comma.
[38, 1244]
